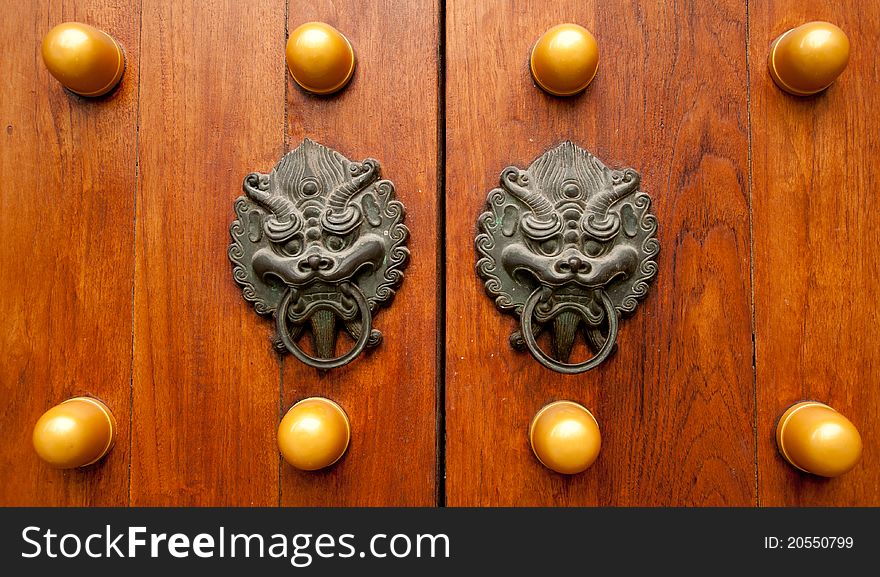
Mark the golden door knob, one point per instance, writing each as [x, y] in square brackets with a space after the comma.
[85, 60]
[565, 59]
[76, 433]
[565, 437]
[320, 58]
[314, 434]
[807, 59]
[817, 439]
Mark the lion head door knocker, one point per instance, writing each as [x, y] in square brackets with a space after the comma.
[567, 245]
[319, 243]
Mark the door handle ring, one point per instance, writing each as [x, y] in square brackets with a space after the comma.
[366, 319]
[541, 294]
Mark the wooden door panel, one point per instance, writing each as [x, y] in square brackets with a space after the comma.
[816, 262]
[173, 145]
[116, 283]
[387, 112]
[676, 402]
[67, 181]
[207, 384]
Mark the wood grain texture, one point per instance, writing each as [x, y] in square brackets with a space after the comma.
[816, 232]
[206, 381]
[67, 176]
[125, 202]
[387, 112]
[676, 402]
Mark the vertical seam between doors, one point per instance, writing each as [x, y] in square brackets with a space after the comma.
[440, 371]
[134, 245]
[752, 257]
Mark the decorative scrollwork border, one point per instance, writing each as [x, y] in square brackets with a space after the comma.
[648, 267]
[236, 253]
[398, 254]
[486, 265]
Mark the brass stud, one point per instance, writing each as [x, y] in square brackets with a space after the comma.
[76, 433]
[565, 59]
[816, 439]
[314, 434]
[565, 437]
[320, 58]
[85, 60]
[808, 59]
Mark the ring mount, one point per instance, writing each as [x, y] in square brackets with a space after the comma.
[573, 229]
[314, 233]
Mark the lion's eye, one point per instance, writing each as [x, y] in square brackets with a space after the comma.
[309, 187]
[292, 247]
[334, 243]
[593, 248]
[550, 247]
[571, 190]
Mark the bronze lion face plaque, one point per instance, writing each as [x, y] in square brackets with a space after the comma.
[319, 244]
[567, 245]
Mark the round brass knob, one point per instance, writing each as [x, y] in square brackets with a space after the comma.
[76, 433]
[565, 437]
[817, 439]
[564, 60]
[83, 59]
[807, 59]
[320, 58]
[314, 434]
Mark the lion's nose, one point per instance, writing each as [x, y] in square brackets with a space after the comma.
[574, 264]
[316, 263]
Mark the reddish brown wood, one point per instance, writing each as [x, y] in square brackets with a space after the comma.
[388, 112]
[816, 262]
[206, 382]
[67, 176]
[676, 403]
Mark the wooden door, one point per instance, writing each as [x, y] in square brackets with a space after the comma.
[816, 269]
[115, 280]
[116, 277]
[767, 275]
[676, 402]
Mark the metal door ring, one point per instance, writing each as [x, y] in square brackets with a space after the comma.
[348, 289]
[551, 363]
